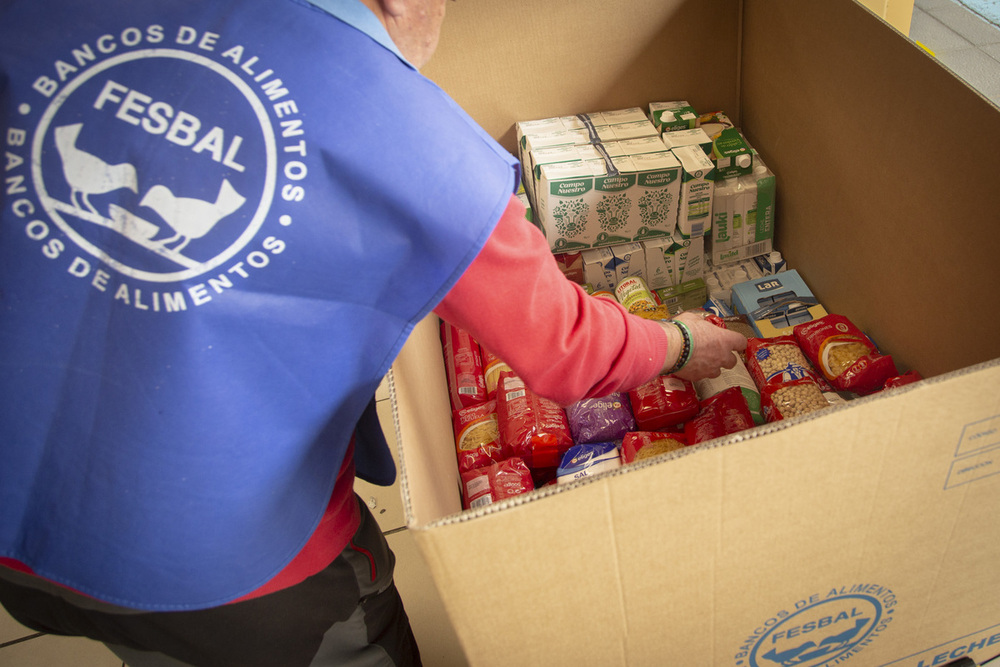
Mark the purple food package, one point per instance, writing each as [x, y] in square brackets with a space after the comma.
[600, 419]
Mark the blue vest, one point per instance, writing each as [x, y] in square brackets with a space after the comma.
[220, 221]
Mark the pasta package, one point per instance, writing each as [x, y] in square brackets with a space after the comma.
[463, 367]
[641, 445]
[493, 366]
[532, 427]
[662, 402]
[845, 355]
[477, 436]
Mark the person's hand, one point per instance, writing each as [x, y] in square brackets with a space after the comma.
[713, 347]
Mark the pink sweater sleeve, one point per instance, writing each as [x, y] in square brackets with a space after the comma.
[565, 344]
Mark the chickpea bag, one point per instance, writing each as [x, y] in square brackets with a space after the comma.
[791, 399]
[780, 360]
[845, 355]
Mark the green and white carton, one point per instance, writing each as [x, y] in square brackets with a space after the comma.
[593, 203]
[696, 137]
[697, 191]
[674, 260]
[672, 116]
[585, 151]
[743, 216]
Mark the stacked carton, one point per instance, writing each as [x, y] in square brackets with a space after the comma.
[599, 179]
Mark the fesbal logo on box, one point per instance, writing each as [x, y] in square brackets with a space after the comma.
[820, 630]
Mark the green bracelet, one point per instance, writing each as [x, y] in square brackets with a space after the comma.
[686, 350]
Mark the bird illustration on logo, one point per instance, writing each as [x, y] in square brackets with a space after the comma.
[88, 174]
[191, 218]
[187, 218]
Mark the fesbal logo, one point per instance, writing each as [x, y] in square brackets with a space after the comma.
[153, 157]
[823, 629]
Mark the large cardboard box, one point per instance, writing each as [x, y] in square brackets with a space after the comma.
[863, 535]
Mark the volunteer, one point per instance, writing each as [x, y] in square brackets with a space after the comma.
[220, 222]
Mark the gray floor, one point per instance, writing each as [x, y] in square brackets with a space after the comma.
[962, 41]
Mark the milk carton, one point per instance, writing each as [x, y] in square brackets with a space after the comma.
[674, 260]
[599, 268]
[743, 217]
[695, 137]
[694, 217]
[672, 116]
[591, 203]
[630, 261]
[585, 151]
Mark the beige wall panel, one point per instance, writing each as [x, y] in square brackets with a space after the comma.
[511, 60]
[888, 197]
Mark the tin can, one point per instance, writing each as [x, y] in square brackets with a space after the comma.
[633, 293]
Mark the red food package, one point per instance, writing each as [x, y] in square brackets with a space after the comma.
[725, 413]
[790, 399]
[493, 366]
[640, 445]
[510, 478]
[906, 378]
[779, 360]
[532, 427]
[845, 355]
[663, 401]
[477, 436]
[476, 488]
[463, 363]
[493, 483]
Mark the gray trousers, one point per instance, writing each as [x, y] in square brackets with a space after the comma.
[350, 615]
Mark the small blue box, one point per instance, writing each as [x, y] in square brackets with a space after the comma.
[776, 304]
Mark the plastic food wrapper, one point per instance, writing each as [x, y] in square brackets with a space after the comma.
[906, 378]
[663, 401]
[477, 436]
[463, 366]
[600, 419]
[780, 360]
[586, 460]
[791, 399]
[724, 414]
[845, 355]
[641, 445]
[493, 483]
[532, 427]
[493, 366]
